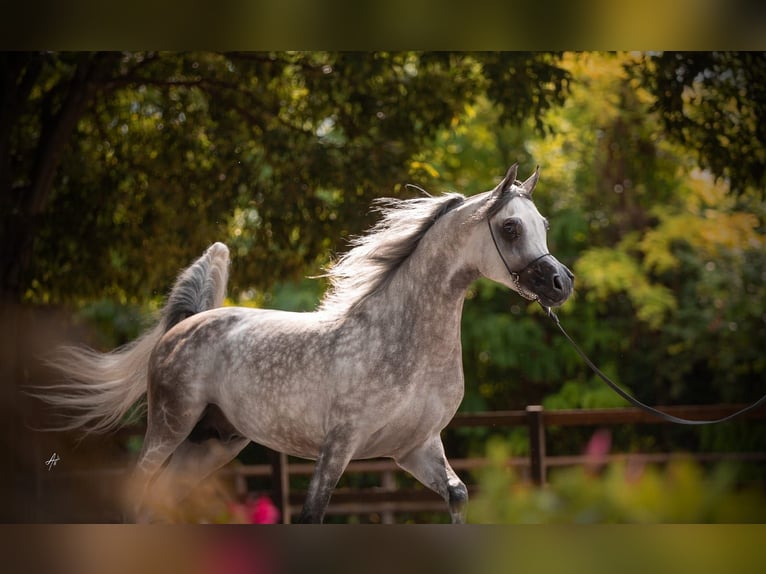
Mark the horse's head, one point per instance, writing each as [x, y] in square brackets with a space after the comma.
[517, 235]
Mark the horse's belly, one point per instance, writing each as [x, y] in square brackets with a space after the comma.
[301, 433]
[294, 415]
[403, 433]
[291, 444]
[292, 425]
[291, 440]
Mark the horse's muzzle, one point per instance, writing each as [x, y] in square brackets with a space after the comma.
[549, 280]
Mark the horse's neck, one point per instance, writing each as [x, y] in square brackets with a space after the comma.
[429, 289]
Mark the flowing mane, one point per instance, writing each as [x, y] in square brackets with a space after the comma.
[376, 255]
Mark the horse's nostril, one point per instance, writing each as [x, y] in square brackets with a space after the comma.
[557, 282]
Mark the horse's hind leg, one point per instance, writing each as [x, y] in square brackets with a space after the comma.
[157, 449]
[212, 443]
[169, 422]
[192, 462]
[429, 465]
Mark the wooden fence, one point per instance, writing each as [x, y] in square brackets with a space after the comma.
[386, 499]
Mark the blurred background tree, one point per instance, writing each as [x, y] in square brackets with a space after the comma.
[118, 169]
[668, 254]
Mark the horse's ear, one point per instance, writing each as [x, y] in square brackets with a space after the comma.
[499, 195]
[509, 179]
[529, 185]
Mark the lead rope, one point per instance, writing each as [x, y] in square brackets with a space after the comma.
[634, 401]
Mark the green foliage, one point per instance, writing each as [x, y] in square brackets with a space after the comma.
[115, 324]
[278, 154]
[623, 492]
[669, 263]
[607, 272]
[651, 177]
[713, 102]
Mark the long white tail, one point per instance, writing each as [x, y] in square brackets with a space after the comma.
[100, 388]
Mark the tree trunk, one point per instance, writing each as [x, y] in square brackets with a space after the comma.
[23, 203]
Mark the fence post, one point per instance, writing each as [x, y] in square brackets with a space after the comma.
[388, 481]
[536, 444]
[240, 483]
[280, 480]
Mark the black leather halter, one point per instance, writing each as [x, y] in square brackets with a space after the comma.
[516, 275]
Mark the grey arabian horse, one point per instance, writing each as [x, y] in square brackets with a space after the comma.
[375, 371]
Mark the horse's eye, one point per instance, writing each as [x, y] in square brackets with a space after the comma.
[512, 227]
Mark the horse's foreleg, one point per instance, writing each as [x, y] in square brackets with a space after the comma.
[429, 465]
[334, 456]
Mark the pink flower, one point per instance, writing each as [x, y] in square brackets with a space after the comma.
[258, 511]
[597, 450]
[263, 511]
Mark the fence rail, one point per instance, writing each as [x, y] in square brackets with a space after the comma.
[387, 499]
